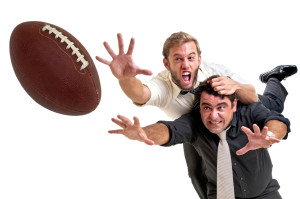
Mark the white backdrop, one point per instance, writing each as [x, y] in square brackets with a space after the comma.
[48, 155]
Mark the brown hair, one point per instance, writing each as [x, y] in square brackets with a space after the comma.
[178, 38]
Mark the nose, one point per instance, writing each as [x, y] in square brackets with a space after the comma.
[185, 63]
[214, 115]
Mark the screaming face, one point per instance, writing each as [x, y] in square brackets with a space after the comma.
[216, 113]
[183, 63]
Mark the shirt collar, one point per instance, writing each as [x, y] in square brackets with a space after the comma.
[175, 89]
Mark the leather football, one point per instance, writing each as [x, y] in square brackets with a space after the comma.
[54, 68]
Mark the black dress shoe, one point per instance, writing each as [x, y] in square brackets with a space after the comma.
[280, 72]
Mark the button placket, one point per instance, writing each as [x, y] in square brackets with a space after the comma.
[240, 177]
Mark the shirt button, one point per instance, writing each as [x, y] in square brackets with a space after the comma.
[242, 178]
[245, 190]
[234, 163]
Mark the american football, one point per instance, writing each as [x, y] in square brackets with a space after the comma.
[54, 68]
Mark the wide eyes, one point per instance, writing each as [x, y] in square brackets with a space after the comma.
[207, 108]
[191, 58]
[179, 59]
[219, 108]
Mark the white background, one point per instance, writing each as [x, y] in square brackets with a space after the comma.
[48, 155]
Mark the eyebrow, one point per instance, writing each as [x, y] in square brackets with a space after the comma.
[176, 54]
[208, 104]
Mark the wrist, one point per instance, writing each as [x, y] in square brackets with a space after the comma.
[126, 79]
[235, 84]
[271, 134]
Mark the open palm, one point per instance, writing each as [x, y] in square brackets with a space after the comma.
[132, 131]
[257, 140]
[122, 65]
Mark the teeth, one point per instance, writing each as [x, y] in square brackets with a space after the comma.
[215, 122]
[186, 73]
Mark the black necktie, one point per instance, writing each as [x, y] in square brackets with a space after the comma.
[184, 92]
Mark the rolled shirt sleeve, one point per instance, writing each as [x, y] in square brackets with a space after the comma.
[261, 115]
[181, 130]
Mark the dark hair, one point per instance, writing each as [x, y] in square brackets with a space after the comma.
[205, 86]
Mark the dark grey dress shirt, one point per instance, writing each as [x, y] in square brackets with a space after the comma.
[252, 172]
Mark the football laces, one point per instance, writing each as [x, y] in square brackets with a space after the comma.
[70, 44]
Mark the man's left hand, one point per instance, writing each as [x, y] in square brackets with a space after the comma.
[257, 139]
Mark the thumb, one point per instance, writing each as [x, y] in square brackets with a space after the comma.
[144, 72]
[146, 140]
[103, 61]
[136, 121]
[243, 150]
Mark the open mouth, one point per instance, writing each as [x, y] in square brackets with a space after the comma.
[186, 76]
[215, 122]
[215, 126]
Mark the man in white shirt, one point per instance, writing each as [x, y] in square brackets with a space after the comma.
[185, 69]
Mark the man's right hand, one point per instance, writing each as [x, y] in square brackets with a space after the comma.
[122, 65]
[132, 131]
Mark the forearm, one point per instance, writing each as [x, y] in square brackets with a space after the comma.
[135, 90]
[278, 128]
[224, 85]
[246, 93]
[159, 133]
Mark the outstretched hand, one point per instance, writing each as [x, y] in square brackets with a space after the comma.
[122, 65]
[258, 139]
[131, 130]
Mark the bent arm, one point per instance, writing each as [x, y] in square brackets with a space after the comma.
[224, 85]
[263, 120]
[259, 138]
[246, 93]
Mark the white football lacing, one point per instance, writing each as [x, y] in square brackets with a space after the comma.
[70, 44]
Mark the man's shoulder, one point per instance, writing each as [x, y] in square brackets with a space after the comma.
[254, 110]
[211, 68]
[161, 80]
[253, 105]
[163, 75]
[212, 65]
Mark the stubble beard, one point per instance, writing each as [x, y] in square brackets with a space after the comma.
[176, 80]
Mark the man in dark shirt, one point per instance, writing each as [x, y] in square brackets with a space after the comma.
[251, 163]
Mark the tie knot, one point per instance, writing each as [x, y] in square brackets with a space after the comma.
[222, 135]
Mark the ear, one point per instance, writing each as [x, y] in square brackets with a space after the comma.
[199, 60]
[234, 105]
[166, 63]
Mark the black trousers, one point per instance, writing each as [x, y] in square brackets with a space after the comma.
[273, 98]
